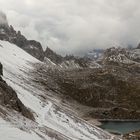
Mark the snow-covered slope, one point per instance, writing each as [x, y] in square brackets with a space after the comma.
[52, 121]
[8, 132]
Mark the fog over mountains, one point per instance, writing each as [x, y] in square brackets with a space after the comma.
[3, 19]
[48, 96]
[76, 26]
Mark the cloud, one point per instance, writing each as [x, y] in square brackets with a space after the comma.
[3, 19]
[76, 26]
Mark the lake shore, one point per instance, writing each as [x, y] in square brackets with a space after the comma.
[120, 127]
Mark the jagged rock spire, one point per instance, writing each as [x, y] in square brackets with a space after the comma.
[1, 69]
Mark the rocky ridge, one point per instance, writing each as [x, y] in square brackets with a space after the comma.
[9, 99]
[33, 47]
[8, 33]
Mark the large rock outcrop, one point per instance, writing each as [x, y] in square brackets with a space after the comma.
[9, 99]
[112, 88]
[33, 47]
[57, 59]
[1, 69]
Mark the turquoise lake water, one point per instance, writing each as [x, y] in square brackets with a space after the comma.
[120, 127]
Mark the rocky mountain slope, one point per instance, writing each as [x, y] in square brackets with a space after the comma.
[51, 96]
[33, 47]
[112, 89]
[52, 119]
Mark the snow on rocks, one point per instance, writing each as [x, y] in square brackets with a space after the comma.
[50, 118]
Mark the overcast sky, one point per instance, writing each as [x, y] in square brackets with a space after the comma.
[75, 26]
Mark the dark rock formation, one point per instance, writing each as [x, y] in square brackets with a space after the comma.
[9, 99]
[57, 59]
[33, 47]
[1, 69]
[138, 47]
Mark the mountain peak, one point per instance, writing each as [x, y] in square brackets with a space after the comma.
[56, 58]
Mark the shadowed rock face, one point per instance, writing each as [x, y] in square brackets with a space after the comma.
[1, 71]
[53, 56]
[8, 98]
[138, 47]
[33, 47]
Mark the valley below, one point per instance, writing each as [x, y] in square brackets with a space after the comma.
[117, 117]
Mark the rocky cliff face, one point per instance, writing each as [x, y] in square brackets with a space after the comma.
[1, 69]
[9, 99]
[33, 47]
[57, 59]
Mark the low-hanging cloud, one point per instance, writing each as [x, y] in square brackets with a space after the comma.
[76, 26]
[3, 19]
